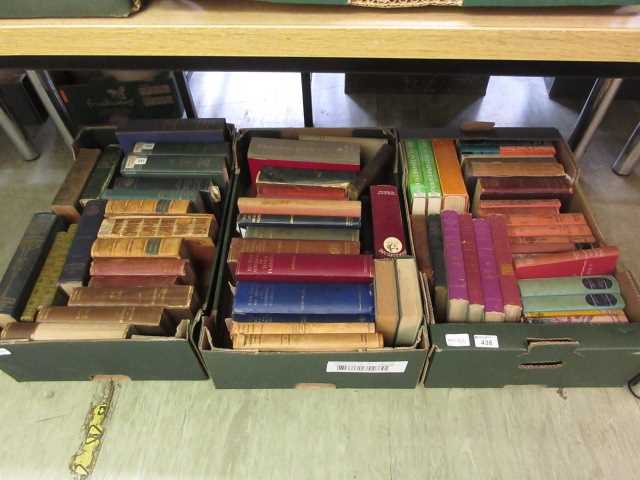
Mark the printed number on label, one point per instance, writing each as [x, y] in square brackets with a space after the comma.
[486, 341]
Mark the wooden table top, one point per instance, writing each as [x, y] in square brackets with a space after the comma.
[242, 28]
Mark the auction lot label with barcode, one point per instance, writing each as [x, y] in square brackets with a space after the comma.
[366, 367]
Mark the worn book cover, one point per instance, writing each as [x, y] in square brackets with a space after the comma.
[436, 251]
[302, 328]
[102, 174]
[372, 171]
[493, 300]
[421, 244]
[133, 281]
[45, 332]
[315, 208]
[522, 188]
[139, 248]
[150, 267]
[274, 182]
[118, 208]
[387, 314]
[66, 203]
[326, 342]
[295, 221]
[513, 168]
[388, 230]
[369, 147]
[539, 208]
[195, 226]
[593, 261]
[472, 269]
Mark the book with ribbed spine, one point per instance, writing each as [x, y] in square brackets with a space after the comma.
[132, 281]
[196, 227]
[388, 229]
[102, 174]
[593, 261]
[472, 269]
[315, 208]
[327, 342]
[66, 203]
[45, 291]
[117, 208]
[18, 280]
[301, 233]
[296, 221]
[302, 328]
[457, 289]
[436, 251]
[493, 300]
[569, 286]
[415, 179]
[150, 267]
[572, 303]
[274, 182]
[139, 248]
[312, 268]
[502, 248]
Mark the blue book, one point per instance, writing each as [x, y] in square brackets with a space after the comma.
[303, 302]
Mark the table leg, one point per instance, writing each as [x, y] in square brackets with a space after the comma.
[16, 135]
[185, 93]
[630, 154]
[307, 102]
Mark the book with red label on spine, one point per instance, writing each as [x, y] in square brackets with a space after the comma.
[592, 261]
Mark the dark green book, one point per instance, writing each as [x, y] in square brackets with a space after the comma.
[17, 283]
[181, 149]
[213, 167]
[102, 174]
[76, 267]
[296, 221]
[545, 287]
[285, 233]
[436, 251]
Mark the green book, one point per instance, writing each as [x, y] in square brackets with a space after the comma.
[568, 286]
[415, 179]
[591, 302]
[102, 174]
[213, 167]
[284, 233]
[431, 178]
[180, 149]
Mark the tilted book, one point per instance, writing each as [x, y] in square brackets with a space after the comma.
[457, 288]
[421, 244]
[493, 300]
[102, 174]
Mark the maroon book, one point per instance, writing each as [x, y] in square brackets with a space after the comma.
[299, 267]
[133, 281]
[388, 230]
[472, 268]
[152, 267]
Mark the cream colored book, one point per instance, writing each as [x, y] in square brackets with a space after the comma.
[410, 302]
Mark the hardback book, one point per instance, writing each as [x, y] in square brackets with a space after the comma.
[147, 267]
[507, 148]
[132, 281]
[76, 268]
[409, 301]
[571, 313]
[303, 328]
[308, 155]
[472, 269]
[274, 182]
[45, 291]
[180, 301]
[209, 167]
[172, 149]
[139, 248]
[101, 176]
[66, 203]
[201, 227]
[593, 261]
[295, 221]
[421, 244]
[314, 208]
[527, 150]
[457, 288]
[300, 267]
[575, 233]
[118, 208]
[369, 147]
[388, 229]
[146, 320]
[46, 332]
[522, 188]
[540, 208]
[301, 233]
[25, 265]
[493, 300]
[431, 177]
[251, 245]
[287, 302]
[416, 184]
[595, 319]
[474, 169]
[506, 274]
[436, 252]
[533, 245]
[572, 303]
[454, 191]
[170, 130]
[372, 171]
[560, 219]
[387, 312]
[324, 342]
[575, 285]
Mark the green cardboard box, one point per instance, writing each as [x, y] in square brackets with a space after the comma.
[459, 3]
[501, 354]
[68, 8]
[166, 358]
[240, 369]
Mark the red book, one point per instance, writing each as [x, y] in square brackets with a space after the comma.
[133, 281]
[298, 267]
[594, 261]
[388, 229]
[472, 268]
[143, 267]
[507, 276]
[528, 151]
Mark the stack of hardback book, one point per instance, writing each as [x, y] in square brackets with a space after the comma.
[305, 280]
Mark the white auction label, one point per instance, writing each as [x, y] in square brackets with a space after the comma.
[4, 351]
[367, 367]
[457, 340]
[142, 147]
[140, 160]
[486, 341]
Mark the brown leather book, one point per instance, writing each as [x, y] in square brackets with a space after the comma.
[386, 296]
[66, 203]
[147, 207]
[522, 188]
[314, 208]
[151, 267]
[181, 300]
[512, 168]
[146, 320]
[311, 328]
[196, 227]
[139, 248]
[21, 331]
[133, 281]
[421, 244]
[328, 342]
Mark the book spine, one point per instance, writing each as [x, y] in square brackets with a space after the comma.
[191, 130]
[184, 226]
[294, 221]
[561, 219]
[415, 179]
[304, 178]
[430, 174]
[298, 318]
[256, 164]
[147, 207]
[572, 313]
[457, 288]
[76, 268]
[569, 286]
[276, 206]
[372, 171]
[66, 203]
[154, 267]
[506, 274]
[132, 281]
[343, 342]
[307, 192]
[527, 150]
[102, 174]
[387, 313]
[161, 149]
[582, 231]
[138, 248]
[472, 268]
[300, 233]
[388, 229]
[44, 332]
[436, 251]
[494, 303]
[526, 245]
[421, 244]
[595, 261]
[17, 283]
[303, 299]
[576, 302]
[409, 301]
[595, 319]
[454, 191]
[209, 167]
[264, 328]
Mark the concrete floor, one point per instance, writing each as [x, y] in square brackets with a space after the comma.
[189, 430]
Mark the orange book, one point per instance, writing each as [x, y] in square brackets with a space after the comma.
[539, 207]
[536, 220]
[540, 245]
[312, 208]
[514, 168]
[454, 191]
[527, 150]
[582, 231]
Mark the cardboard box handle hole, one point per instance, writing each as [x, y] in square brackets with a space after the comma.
[540, 365]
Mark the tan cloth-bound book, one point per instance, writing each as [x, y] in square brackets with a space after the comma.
[386, 296]
[64, 331]
[282, 328]
[147, 207]
[328, 342]
[410, 302]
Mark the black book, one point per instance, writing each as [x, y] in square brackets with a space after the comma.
[102, 174]
[23, 270]
[296, 221]
[436, 251]
[76, 268]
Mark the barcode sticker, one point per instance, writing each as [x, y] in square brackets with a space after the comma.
[486, 341]
[142, 147]
[366, 367]
[457, 340]
[4, 352]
